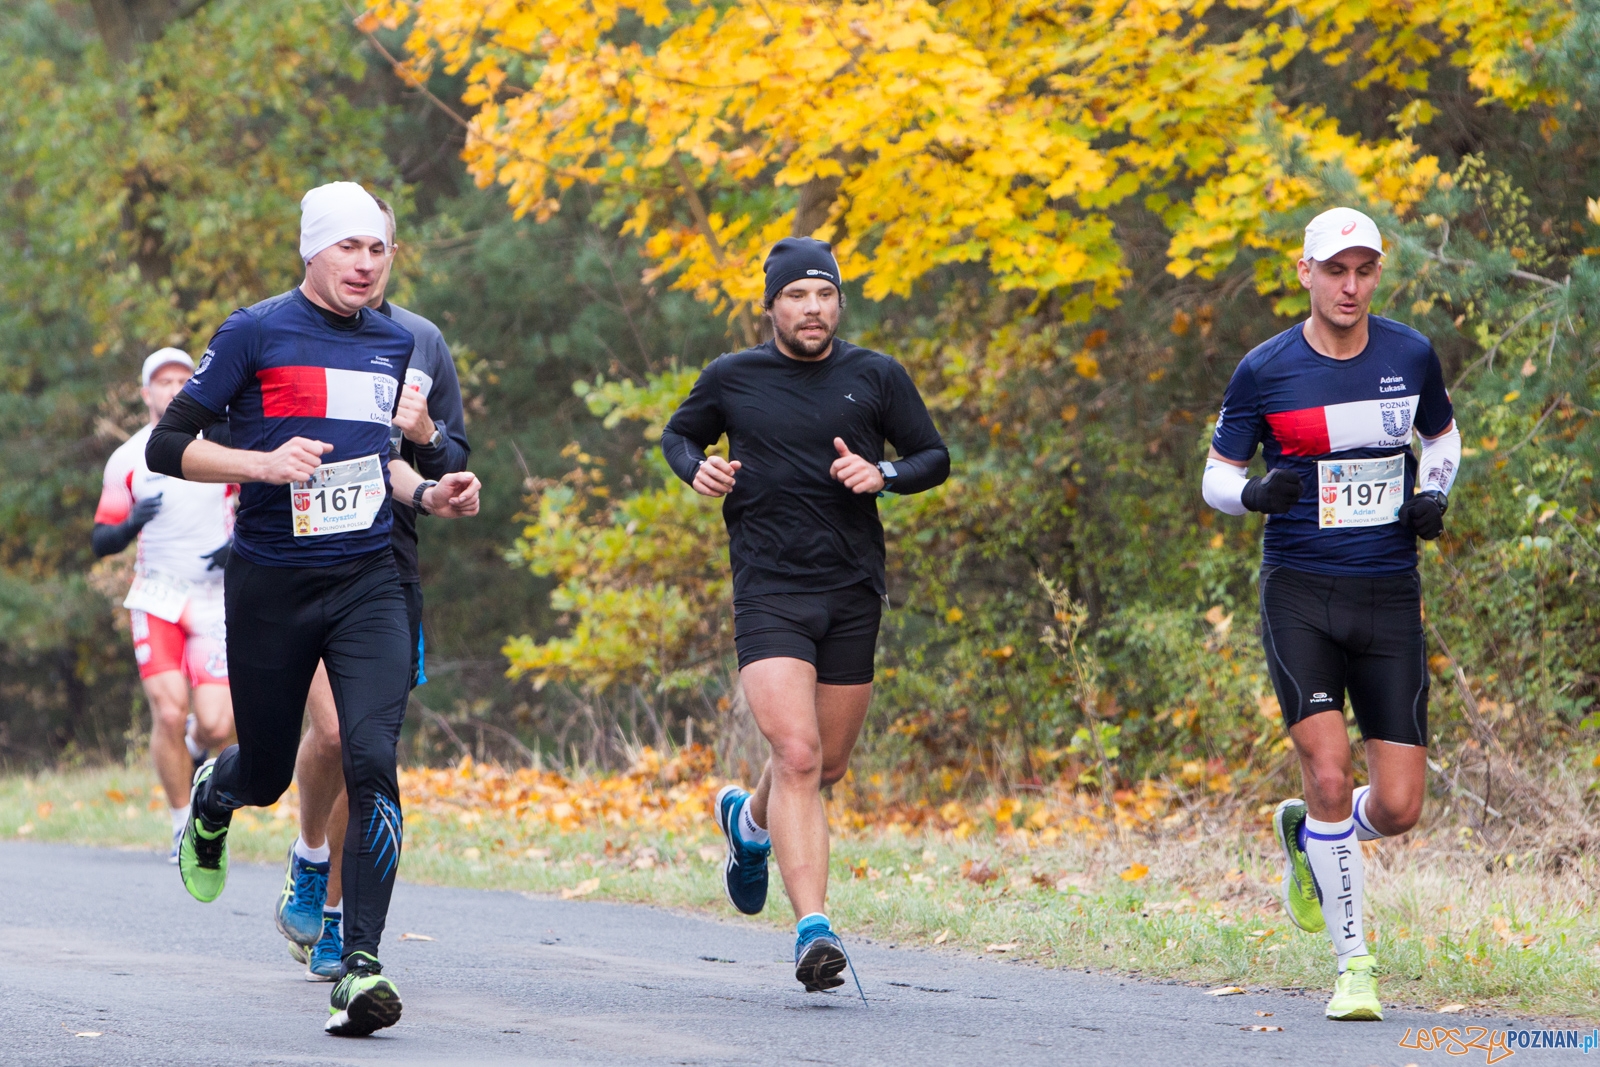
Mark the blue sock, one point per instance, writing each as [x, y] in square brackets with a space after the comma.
[810, 925]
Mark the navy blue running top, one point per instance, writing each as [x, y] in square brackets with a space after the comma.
[1302, 407]
[280, 370]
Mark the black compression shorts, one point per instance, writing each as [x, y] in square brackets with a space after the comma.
[835, 631]
[1327, 634]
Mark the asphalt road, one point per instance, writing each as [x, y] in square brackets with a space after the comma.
[107, 942]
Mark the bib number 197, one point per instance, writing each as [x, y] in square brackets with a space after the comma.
[1360, 492]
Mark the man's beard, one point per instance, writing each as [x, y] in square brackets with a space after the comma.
[805, 349]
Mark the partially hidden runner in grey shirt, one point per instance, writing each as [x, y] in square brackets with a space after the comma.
[429, 433]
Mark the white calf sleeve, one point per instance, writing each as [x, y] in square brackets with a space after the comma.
[1335, 857]
[1365, 831]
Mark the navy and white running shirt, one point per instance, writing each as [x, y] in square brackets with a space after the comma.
[279, 370]
[1302, 406]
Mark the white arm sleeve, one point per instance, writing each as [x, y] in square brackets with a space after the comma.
[1441, 459]
[1223, 485]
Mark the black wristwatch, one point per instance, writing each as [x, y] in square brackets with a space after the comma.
[416, 498]
[1438, 498]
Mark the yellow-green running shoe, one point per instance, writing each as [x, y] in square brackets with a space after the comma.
[364, 1000]
[1355, 994]
[1300, 895]
[203, 852]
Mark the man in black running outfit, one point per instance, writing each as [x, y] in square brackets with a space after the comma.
[1333, 403]
[308, 381]
[806, 415]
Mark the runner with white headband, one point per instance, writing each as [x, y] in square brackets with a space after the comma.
[309, 381]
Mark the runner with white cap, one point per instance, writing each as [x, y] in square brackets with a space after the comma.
[1334, 403]
[175, 603]
[309, 381]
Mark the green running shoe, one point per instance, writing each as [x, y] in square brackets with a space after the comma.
[1301, 896]
[364, 1000]
[203, 853]
[1355, 994]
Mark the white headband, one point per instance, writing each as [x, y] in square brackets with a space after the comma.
[336, 211]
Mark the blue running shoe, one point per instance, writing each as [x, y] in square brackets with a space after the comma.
[305, 890]
[327, 956]
[744, 876]
[819, 957]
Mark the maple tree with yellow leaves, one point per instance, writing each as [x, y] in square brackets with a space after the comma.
[915, 135]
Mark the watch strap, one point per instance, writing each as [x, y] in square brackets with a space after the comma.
[416, 497]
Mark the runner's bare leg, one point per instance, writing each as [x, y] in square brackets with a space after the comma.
[168, 694]
[213, 715]
[812, 729]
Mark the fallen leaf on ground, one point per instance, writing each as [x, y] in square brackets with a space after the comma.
[1226, 991]
[1265, 1014]
[116, 796]
[415, 937]
[1135, 872]
[1452, 1009]
[1263, 1029]
[711, 855]
[537, 854]
[1072, 881]
[1007, 947]
[944, 935]
[978, 871]
[582, 889]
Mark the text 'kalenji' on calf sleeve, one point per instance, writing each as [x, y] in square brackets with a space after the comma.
[1365, 831]
[1335, 857]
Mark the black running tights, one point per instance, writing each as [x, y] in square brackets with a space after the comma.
[281, 621]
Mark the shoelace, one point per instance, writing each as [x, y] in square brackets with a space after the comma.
[800, 950]
[208, 850]
[305, 881]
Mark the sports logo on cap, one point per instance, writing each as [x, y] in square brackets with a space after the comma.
[1348, 229]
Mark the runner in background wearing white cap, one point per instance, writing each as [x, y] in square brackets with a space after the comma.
[1333, 403]
[179, 635]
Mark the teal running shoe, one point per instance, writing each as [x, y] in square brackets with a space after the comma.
[305, 890]
[203, 852]
[1301, 897]
[744, 875]
[819, 956]
[364, 1000]
[326, 962]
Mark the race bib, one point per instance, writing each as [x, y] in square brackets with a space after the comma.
[338, 498]
[158, 594]
[1360, 492]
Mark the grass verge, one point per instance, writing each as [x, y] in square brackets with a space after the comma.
[1448, 925]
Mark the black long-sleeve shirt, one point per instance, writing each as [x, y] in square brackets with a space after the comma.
[791, 527]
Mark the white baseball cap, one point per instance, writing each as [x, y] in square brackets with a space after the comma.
[1340, 228]
[160, 358]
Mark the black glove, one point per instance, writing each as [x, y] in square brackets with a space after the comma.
[1273, 494]
[1423, 514]
[143, 511]
[219, 558]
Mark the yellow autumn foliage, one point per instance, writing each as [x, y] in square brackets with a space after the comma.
[915, 135]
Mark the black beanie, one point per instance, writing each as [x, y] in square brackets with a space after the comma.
[794, 258]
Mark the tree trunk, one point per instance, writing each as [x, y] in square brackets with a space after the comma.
[126, 24]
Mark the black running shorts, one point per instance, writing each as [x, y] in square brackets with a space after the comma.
[1326, 635]
[835, 631]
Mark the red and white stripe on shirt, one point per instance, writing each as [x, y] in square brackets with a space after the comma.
[1344, 427]
[326, 393]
